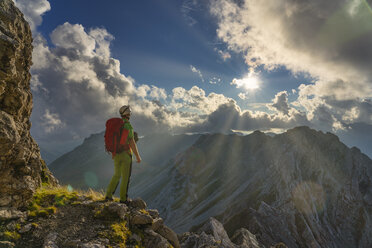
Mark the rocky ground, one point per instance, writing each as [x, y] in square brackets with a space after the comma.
[59, 217]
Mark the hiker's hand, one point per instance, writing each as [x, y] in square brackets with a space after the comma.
[113, 156]
[139, 159]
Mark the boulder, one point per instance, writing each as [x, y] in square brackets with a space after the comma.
[154, 240]
[157, 223]
[245, 238]
[169, 234]
[118, 209]
[215, 228]
[138, 203]
[141, 219]
[194, 240]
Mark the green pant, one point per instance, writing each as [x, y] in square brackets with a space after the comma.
[123, 168]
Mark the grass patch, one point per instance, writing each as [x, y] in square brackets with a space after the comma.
[47, 199]
[11, 236]
[53, 196]
[93, 195]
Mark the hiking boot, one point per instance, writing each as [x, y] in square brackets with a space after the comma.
[126, 202]
[108, 199]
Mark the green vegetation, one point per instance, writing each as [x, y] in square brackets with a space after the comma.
[11, 236]
[47, 199]
[99, 212]
[18, 227]
[118, 233]
[44, 174]
[143, 211]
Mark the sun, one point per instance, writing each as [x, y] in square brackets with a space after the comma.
[249, 82]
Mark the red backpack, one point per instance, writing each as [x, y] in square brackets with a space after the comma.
[115, 138]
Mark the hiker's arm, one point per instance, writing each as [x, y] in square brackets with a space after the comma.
[133, 146]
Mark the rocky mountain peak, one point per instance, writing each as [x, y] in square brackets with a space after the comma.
[22, 169]
[303, 188]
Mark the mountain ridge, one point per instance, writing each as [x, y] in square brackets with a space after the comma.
[307, 166]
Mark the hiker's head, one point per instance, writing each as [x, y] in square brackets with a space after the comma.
[125, 111]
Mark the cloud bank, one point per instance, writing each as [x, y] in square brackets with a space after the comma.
[77, 85]
[329, 41]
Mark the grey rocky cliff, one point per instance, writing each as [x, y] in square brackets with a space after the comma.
[304, 188]
[21, 167]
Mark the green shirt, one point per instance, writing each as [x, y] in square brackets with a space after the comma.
[128, 127]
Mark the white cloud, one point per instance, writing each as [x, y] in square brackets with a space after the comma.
[229, 116]
[33, 11]
[74, 37]
[51, 121]
[242, 96]
[193, 69]
[142, 90]
[103, 40]
[158, 93]
[215, 80]
[223, 54]
[196, 100]
[280, 103]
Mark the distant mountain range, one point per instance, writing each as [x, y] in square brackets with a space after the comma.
[303, 187]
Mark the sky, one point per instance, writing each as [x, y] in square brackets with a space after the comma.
[200, 66]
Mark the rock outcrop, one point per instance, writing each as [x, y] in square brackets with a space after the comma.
[213, 234]
[60, 217]
[21, 167]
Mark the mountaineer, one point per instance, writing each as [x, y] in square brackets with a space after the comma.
[120, 142]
